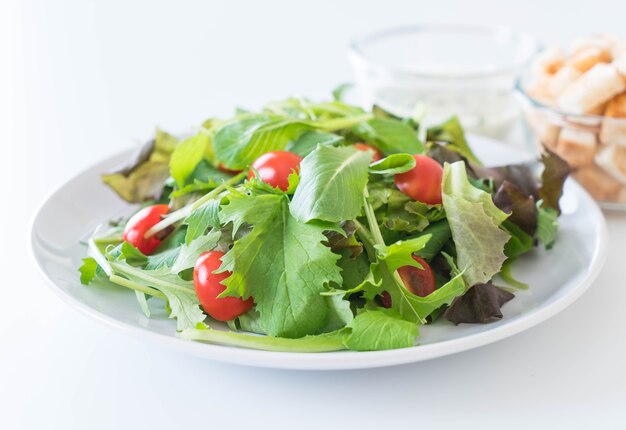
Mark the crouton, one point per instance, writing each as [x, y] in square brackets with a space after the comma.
[577, 147]
[599, 184]
[596, 86]
[620, 65]
[613, 130]
[548, 61]
[562, 79]
[605, 42]
[612, 159]
[589, 57]
[546, 131]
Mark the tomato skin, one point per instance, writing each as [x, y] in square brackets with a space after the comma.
[140, 223]
[420, 282]
[209, 285]
[275, 167]
[365, 147]
[423, 182]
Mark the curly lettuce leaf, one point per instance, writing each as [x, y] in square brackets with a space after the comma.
[330, 175]
[475, 225]
[282, 263]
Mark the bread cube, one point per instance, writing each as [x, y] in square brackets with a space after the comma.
[548, 61]
[577, 147]
[612, 159]
[620, 65]
[546, 131]
[599, 184]
[613, 130]
[587, 58]
[606, 42]
[597, 86]
[562, 79]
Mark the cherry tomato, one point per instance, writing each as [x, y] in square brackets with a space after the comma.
[209, 285]
[385, 299]
[423, 182]
[420, 282]
[365, 147]
[140, 223]
[225, 169]
[275, 167]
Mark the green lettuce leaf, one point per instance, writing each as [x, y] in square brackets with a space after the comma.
[376, 330]
[475, 224]
[390, 136]
[330, 175]
[186, 157]
[282, 263]
[547, 225]
[393, 164]
[307, 143]
[189, 253]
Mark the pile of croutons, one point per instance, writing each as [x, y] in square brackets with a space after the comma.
[586, 87]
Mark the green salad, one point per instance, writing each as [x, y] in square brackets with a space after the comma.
[313, 227]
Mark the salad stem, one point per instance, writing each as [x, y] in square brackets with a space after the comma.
[320, 343]
[184, 212]
[137, 287]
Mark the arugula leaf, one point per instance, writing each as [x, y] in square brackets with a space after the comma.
[189, 253]
[181, 295]
[241, 141]
[393, 164]
[201, 219]
[452, 132]
[390, 136]
[306, 143]
[282, 263]
[375, 330]
[475, 224]
[143, 177]
[164, 258]
[186, 157]
[481, 304]
[547, 225]
[329, 175]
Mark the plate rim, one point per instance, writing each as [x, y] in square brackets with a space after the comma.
[339, 360]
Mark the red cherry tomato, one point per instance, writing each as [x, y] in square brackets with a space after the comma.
[365, 147]
[140, 223]
[209, 285]
[275, 167]
[423, 182]
[420, 282]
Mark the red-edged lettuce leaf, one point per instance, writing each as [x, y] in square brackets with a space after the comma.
[522, 207]
[480, 304]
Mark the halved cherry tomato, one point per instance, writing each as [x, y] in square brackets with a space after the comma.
[365, 147]
[209, 285]
[420, 282]
[423, 182]
[275, 167]
[140, 223]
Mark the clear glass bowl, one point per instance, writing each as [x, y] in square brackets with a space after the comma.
[593, 145]
[467, 70]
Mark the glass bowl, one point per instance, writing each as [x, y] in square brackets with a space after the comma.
[467, 70]
[593, 145]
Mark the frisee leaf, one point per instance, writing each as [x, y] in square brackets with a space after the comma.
[475, 224]
[282, 263]
[329, 175]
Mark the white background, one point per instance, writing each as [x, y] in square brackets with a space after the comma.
[80, 80]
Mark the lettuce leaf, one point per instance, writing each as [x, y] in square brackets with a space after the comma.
[330, 175]
[475, 225]
[481, 304]
[282, 263]
[375, 330]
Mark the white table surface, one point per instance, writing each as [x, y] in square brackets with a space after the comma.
[80, 80]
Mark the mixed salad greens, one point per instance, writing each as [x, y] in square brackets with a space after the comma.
[322, 227]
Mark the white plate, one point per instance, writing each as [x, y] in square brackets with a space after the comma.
[557, 277]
